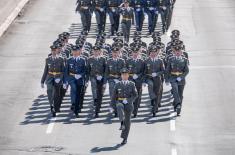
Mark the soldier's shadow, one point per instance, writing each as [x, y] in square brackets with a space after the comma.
[40, 113]
[105, 149]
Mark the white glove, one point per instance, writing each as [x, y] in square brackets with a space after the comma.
[101, 9]
[65, 86]
[77, 76]
[57, 80]
[124, 102]
[116, 80]
[156, 12]
[154, 74]
[99, 78]
[113, 10]
[135, 76]
[144, 84]
[42, 85]
[167, 83]
[164, 8]
[179, 79]
[104, 86]
[151, 8]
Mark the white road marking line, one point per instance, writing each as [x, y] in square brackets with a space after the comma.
[50, 126]
[173, 151]
[172, 122]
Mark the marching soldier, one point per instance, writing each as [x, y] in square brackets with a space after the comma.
[151, 8]
[124, 95]
[75, 76]
[127, 19]
[135, 65]
[84, 8]
[100, 7]
[53, 75]
[113, 12]
[138, 6]
[113, 73]
[96, 71]
[154, 69]
[176, 71]
[163, 6]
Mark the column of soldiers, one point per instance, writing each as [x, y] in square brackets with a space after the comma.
[125, 68]
[132, 12]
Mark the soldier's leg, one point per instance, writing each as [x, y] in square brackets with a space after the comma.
[111, 18]
[57, 97]
[120, 111]
[94, 89]
[157, 87]
[124, 31]
[50, 95]
[155, 19]
[150, 21]
[82, 95]
[160, 94]
[103, 21]
[117, 22]
[99, 95]
[83, 19]
[79, 97]
[128, 30]
[137, 101]
[175, 92]
[73, 94]
[137, 20]
[181, 90]
[141, 20]
[62, 95]
[128, 109]
[152, 95]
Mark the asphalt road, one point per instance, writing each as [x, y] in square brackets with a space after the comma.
[207, 124]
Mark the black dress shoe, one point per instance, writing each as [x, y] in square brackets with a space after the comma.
[115, 114]
[76, 115]
[178, 110]
[134, 116]
[154, 114]
[96, 115]
[72, 108]
[124, 142]
[53, 114]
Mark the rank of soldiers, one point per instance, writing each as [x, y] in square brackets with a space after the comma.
[126, 68]
[132, 12]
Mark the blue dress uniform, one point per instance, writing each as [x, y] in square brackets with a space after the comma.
[176, 71]
[84, 8]
[163, 8]
[75, 76]
[100, 8]
[151, 8]
[112, 10]
[138, 6]
[53, 76]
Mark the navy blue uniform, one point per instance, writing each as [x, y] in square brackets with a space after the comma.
[75, 76]
[152, 10]
[100, 7]
[138, 6]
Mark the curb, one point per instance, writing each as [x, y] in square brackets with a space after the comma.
[5, 25]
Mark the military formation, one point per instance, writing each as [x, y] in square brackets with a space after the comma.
[125, 68]
[125, 13]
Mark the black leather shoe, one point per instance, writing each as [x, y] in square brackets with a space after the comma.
[154, 114]
[124, 142]
[96, 115]
[115, 114]
[72, 108]
[53, 114]
[134, 116]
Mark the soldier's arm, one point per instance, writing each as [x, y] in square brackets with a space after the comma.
[167, 71]
[114, 97]
[44, 72]
[104, 75]
[134, 94]
[186, 70]
[162, 68]
[78, 5]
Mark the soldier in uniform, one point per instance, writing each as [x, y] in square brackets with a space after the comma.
[100, 8]
[135, 65]
[84, 8]
[163, 6]
[96, 71]
[176, 71]
[151, 8]
[138, 6]
[113, 73]
[53, 76]
[127, 19]
[124, 95]
[154, 69]
[76, 71]
[113, 12]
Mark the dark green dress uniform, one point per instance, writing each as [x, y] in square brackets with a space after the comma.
[53, 76]
[96, 70]
[136, 70]
[176, 71]
[100, 8]
[113, 75]
[84, 8]
[124, 95]
[154, 69]
[127, 20]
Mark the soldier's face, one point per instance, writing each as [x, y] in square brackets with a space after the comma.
[126, 4]
[153, 54]
[53, 52]
[76, 53]
[125, 76]
[96, 52]
[135, 54]
[115, 54]
[178, 52]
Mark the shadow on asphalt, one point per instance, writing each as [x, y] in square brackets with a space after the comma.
[105, 149]
[39, 113]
